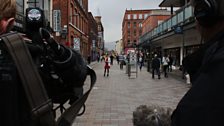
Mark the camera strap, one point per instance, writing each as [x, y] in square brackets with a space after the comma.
[41, 105]
[70, 114]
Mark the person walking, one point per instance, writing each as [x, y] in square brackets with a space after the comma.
[111, 59]
[140, 62]
[122, 61]
[98, 57]
[203, 104]
[89, 59]
[107, 65]
[155, 66]
[170, 63]
[165, 61]
[117, 57]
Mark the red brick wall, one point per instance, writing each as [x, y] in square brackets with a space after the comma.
[152, 21]
[133, 30]
[78, 28]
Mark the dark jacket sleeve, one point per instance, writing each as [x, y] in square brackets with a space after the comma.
[203, 104]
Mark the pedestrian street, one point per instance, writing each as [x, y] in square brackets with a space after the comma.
[114, 98]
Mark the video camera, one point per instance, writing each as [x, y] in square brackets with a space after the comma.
[62, 69]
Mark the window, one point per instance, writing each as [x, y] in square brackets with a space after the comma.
[129, 42]
[134, 32]
[134, 16]
[140, 25]
[80, 2]
[145, 16]
[135, 25]
[129, 33]
[76, 18]
[37, 3]
[99, 28]
[79, 22]
[129, 25]
[140, 32]
[71, 14]
[19, 6]
[140, 16]
[129, 16]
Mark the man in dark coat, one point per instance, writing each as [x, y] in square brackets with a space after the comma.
[155, 66]
[203, 104]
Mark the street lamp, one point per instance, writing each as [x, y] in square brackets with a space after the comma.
[64, 32]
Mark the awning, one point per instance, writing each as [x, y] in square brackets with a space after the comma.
[144, 44]
[174, 3]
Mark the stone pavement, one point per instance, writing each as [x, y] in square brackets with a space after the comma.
[114, 98]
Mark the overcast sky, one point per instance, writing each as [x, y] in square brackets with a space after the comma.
[112, 12]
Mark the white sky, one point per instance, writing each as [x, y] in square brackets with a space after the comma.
[112, 12]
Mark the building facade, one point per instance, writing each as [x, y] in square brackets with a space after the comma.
[155, 18]
[177, 36]
[93, 47]
[100, 29]
[70, 24]
[119, 47]
[132, 27]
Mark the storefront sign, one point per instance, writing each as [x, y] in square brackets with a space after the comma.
[178, 30]
[94, 44]
[76, 44]
[57, 20]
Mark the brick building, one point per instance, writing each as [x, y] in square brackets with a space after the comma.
[70, 22]
[132, 27]
[100, 34]
[156, 17]
[93, 47]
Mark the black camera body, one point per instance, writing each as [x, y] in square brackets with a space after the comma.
[38, 72]
[62, 69]
[35, 19]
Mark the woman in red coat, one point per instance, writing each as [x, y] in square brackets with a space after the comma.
[107, 65]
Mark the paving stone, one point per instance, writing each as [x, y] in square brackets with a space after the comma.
[114, 98]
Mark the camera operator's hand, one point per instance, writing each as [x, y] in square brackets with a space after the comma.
[60, 52]
[68, 63]
[45, 34]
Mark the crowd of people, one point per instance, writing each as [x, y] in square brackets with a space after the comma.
[158, 64]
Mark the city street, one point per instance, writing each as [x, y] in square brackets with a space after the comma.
[114, 98]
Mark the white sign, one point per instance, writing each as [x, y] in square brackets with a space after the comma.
[133, 57]
[76, 43]
[57, 20]
[94, 43]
